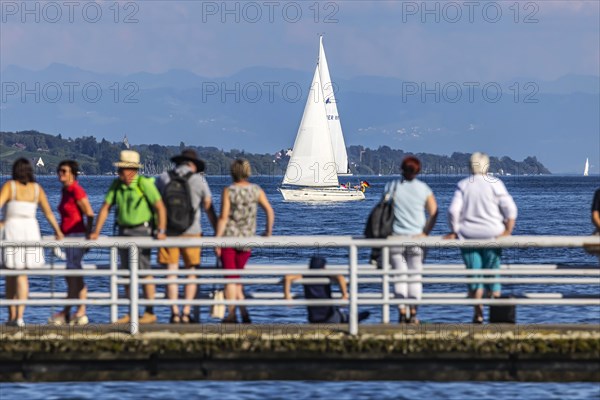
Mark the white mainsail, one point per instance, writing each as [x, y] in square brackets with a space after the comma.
[40, 163]
[586, 168]
[312, 163]
[333, 118]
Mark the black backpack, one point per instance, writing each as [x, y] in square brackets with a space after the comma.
[381, 220]
[178, 201]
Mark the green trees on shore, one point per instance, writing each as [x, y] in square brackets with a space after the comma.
[96, 157]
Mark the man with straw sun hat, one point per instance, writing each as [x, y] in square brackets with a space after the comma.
[139, 209]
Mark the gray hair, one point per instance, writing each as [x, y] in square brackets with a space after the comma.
[479, 163]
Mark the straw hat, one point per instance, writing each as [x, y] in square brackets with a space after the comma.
[129, 159]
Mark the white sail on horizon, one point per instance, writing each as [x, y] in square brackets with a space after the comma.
[586, 168]
[312, 163]
[333, 117]
[40, 163]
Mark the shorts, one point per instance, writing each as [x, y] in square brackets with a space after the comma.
[190, 255]
[482, 259]
[74, 254]
[144, 254]
[234, 259]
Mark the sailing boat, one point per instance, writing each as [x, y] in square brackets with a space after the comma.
[312, 173]
[40, 163]
[586, 168]
[333, 118]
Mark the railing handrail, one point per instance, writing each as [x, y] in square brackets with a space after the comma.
[516, 241]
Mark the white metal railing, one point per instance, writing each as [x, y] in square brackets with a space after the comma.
[271, 274]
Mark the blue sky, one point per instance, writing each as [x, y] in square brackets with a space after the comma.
[433, 41]
[508, 43]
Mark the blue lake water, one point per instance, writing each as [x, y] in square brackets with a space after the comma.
[548, 205]
[301, 390]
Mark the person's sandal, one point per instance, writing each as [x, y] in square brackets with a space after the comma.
[59, 318]
[175, 319]
[245, 316]
[478, 319]
[187, 319]
[230, 319]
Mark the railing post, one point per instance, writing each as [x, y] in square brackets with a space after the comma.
[353, 317]
[114, 288]
[385, 309]
[134, 289]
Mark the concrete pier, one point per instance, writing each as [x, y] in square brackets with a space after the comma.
[436, 352]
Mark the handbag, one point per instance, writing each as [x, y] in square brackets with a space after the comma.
[503, 314]
[381, 220]
[217, 310]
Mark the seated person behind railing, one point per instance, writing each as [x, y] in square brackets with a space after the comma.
[320, 291]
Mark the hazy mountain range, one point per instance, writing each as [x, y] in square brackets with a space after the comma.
[259, 109]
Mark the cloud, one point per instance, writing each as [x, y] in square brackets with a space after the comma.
[362, 38]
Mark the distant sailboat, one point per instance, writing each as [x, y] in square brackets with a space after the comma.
[586, 168]
[312, 173]
[40, 163]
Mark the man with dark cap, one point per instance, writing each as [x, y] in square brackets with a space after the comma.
[186, 179]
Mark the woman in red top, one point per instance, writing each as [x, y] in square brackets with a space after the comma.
[74, 204]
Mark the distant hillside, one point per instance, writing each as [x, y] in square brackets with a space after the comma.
[557, 120]
[97, 157]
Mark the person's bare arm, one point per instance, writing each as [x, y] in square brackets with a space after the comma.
[4, 197]
[509, 225]
[287, 285]
[160, 209]
[210, 212]
[596, 220]
[86, 209]
[343, 286]
[432, 212]
[224, 217]
[102, 216]
[264, 203]
[43, 202]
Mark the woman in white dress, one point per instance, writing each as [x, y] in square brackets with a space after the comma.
[21, 196]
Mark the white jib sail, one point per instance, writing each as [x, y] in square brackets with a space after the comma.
[312, 163]
[333, 118]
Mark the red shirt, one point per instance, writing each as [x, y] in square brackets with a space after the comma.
[71, 216]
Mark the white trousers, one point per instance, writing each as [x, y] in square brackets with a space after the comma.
[405, 259]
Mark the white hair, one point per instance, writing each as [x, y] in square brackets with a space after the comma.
[480, 163]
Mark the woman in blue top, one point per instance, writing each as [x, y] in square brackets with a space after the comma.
[411, 199]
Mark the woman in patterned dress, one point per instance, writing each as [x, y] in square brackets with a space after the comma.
[238, 219]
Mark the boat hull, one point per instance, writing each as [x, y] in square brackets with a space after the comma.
[322, 194]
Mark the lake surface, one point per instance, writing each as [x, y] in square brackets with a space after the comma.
[548, 205]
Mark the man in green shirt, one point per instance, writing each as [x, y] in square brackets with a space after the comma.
[137, 201]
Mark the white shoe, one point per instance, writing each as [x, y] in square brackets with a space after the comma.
[19, 323]
[83, 320]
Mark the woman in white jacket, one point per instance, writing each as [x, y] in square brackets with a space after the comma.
[482, 209]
